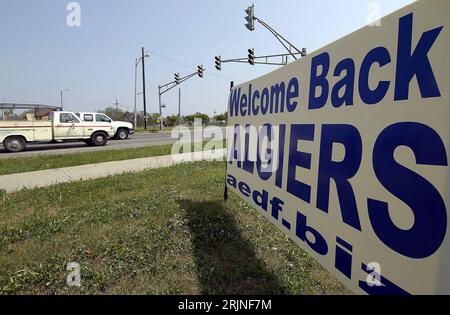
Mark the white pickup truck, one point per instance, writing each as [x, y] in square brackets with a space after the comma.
[122, 129]
[61, 126]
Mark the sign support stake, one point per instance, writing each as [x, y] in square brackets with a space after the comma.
[225, 193]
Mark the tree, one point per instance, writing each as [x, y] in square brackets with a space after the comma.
[114, 114]
[172, 120]
[191, 118]
[221, 117]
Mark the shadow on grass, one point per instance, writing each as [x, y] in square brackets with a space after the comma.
[226, 262]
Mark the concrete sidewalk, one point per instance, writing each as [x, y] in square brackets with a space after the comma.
[16, 182]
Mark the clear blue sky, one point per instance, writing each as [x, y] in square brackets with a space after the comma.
[41, 55]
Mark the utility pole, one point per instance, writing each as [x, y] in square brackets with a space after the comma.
[135, 92]
[143, 86]
[3, 109]
[117, 109]
[215, 114]
[136, 64]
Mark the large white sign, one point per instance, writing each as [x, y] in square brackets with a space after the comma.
[346, 151]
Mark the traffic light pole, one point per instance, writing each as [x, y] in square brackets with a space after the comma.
[161, 122]
[163, 89]
[143, 85]
[179, 112]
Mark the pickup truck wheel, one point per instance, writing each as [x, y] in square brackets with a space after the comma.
[122, 134]
[15, 144]
[99, 139]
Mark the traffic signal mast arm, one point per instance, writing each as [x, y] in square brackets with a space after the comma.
[265, 60]
[251, 18]
[286, 44]
[169, 86]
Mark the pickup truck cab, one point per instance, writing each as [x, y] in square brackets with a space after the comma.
[60, 126]
[122, 129]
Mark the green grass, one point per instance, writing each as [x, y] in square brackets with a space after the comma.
[44, 162]
[149, 130]
[155, 130]
[164, 231]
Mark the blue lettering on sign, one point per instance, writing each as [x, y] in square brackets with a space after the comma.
[343, 255]
[427, 205]
[299, 159]
[347, 82]
[293, 92]
[410, 63]
[319, 80]
[343, 259]
[255, 107]
[340, 172]
[423, 199]
[416, 64]
[381, 56]
[277, 96]
[248, 165]
[386, 288]
[319, 245]
[265, 172]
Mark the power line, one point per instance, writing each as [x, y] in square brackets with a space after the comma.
[192, 68]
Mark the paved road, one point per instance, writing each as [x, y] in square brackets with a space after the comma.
[136, 141]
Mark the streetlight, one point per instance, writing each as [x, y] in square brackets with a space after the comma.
[138, 61]
[62, 91]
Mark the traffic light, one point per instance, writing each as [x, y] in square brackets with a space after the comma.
[250, 18]
[251, 56]
[200, 71]
[218, 63]
[304, 52]
[177, 78]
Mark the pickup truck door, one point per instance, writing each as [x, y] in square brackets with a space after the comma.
[68, 126]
